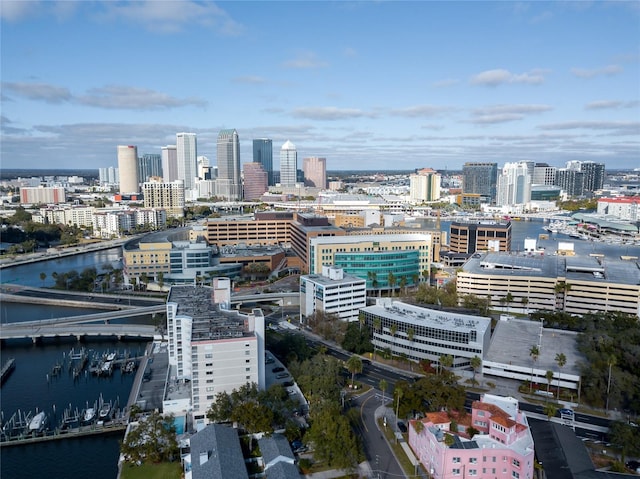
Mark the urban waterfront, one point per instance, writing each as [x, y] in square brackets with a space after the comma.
[28, 388]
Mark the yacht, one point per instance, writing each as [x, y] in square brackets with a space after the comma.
[38, 422]
[89, 414]
[105, 411]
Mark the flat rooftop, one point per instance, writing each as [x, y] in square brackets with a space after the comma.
[209, 321]
[326, 281]
[512, 340]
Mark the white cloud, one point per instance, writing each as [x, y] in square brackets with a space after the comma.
[330, 113]
[120, 97]
[420, 110]
[520, 109]
[173, 16]
[616, 127]
[251, 79]
[608, 70]
[38, 91]
[501, 76]
[611, 105]
[16, 10]
[305, 60]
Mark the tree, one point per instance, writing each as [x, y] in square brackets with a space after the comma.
[508, 299]
[534, 352]
[626, 437]
[415, 277]
[153, 440]
[383, 387]
[446, 361]
[525, 302]
[391, 279]
[476, 363]
[550, 410]
[561, 360]
[332, 436]
[403, 284]
[354, 365]
[43, 276]
[549, 376]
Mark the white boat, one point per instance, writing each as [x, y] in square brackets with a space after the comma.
[37, 422]
[89, 414]
[105, 411]
[111, 357]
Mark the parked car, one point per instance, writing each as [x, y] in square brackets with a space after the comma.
[282, 375]
[277, 369]
[402, 426]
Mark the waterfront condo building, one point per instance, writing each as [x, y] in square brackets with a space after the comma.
[288, 165]
[229, 182]
[128, 169]
[263, 154]
[503, 447]
[315, 172]
[332, 292]
[469, 237]
[170, 196]
[186, 154]
[480, 178]
[216, 349]
[426, 334]
[375, 258]
[514, 184]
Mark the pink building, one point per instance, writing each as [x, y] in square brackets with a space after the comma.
[503, 448]
[255, 181]
[315, 172]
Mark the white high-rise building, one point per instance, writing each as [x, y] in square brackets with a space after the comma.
[128, 169]
[288, 164]
[229, 180]
[424, 186]
[514, 184]
[187, 152]
[169, 163]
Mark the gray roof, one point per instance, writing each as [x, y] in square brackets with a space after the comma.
[275, 446]
[283, 470]
[221, 454]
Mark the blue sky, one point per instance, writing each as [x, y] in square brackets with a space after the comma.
[368, 85]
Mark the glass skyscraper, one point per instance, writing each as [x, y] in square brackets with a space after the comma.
[229, 182]
[187, 152]
[263, 154]
[480, 179]
[288, 164]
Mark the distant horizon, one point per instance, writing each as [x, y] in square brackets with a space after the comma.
[373, 84]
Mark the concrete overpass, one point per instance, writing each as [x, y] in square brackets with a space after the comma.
[284, 299]
[21, 331]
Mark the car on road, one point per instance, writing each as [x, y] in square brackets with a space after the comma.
[565, 412]
[402, 426]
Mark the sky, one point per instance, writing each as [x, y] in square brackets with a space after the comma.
[369, 85]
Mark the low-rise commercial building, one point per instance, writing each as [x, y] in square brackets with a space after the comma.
[469, 237]
[426, 334]
[332, 292]
[502, 448]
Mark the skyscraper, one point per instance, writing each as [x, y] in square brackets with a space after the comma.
[263, 154]
[128, 169]
[150, 165]
[571, 181]
[543, 174]
[480, 179]
[288, 164]
[424, 185]
[229, 182]
[514, 184]
[169, 155]
[593, 176]
[315, 172]
[255, 181]
[187, 152]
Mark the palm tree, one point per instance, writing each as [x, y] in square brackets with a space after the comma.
[383, 388]
[393, 330]
[561, 289]
[354, 365]
[415, 277]
[561, 360]
[392, 282]
[446, 361]
[426, 274]
[534, 352]
[403, 284]
[508, 299]
[376, 330]
[476, 363]
[43, 276]
[525, 302]
[549, 376]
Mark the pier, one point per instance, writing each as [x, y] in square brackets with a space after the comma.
[82, 431]
[7, 369]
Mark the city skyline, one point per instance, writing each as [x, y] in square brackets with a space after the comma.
[366, 85]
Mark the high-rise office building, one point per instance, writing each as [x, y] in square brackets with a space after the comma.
[255, 181]
[169, 155]
[480, 179]
[543, 174]
[128, 169]
[288, 164]
[593, 176]
[263, 154]
[424, 186]
[149, 166]
[204, 170]
[571, 181]
[229, 182]
[514, 184]
[315, 172]
[187, 152]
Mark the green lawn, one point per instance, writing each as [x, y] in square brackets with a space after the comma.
[165, 470]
